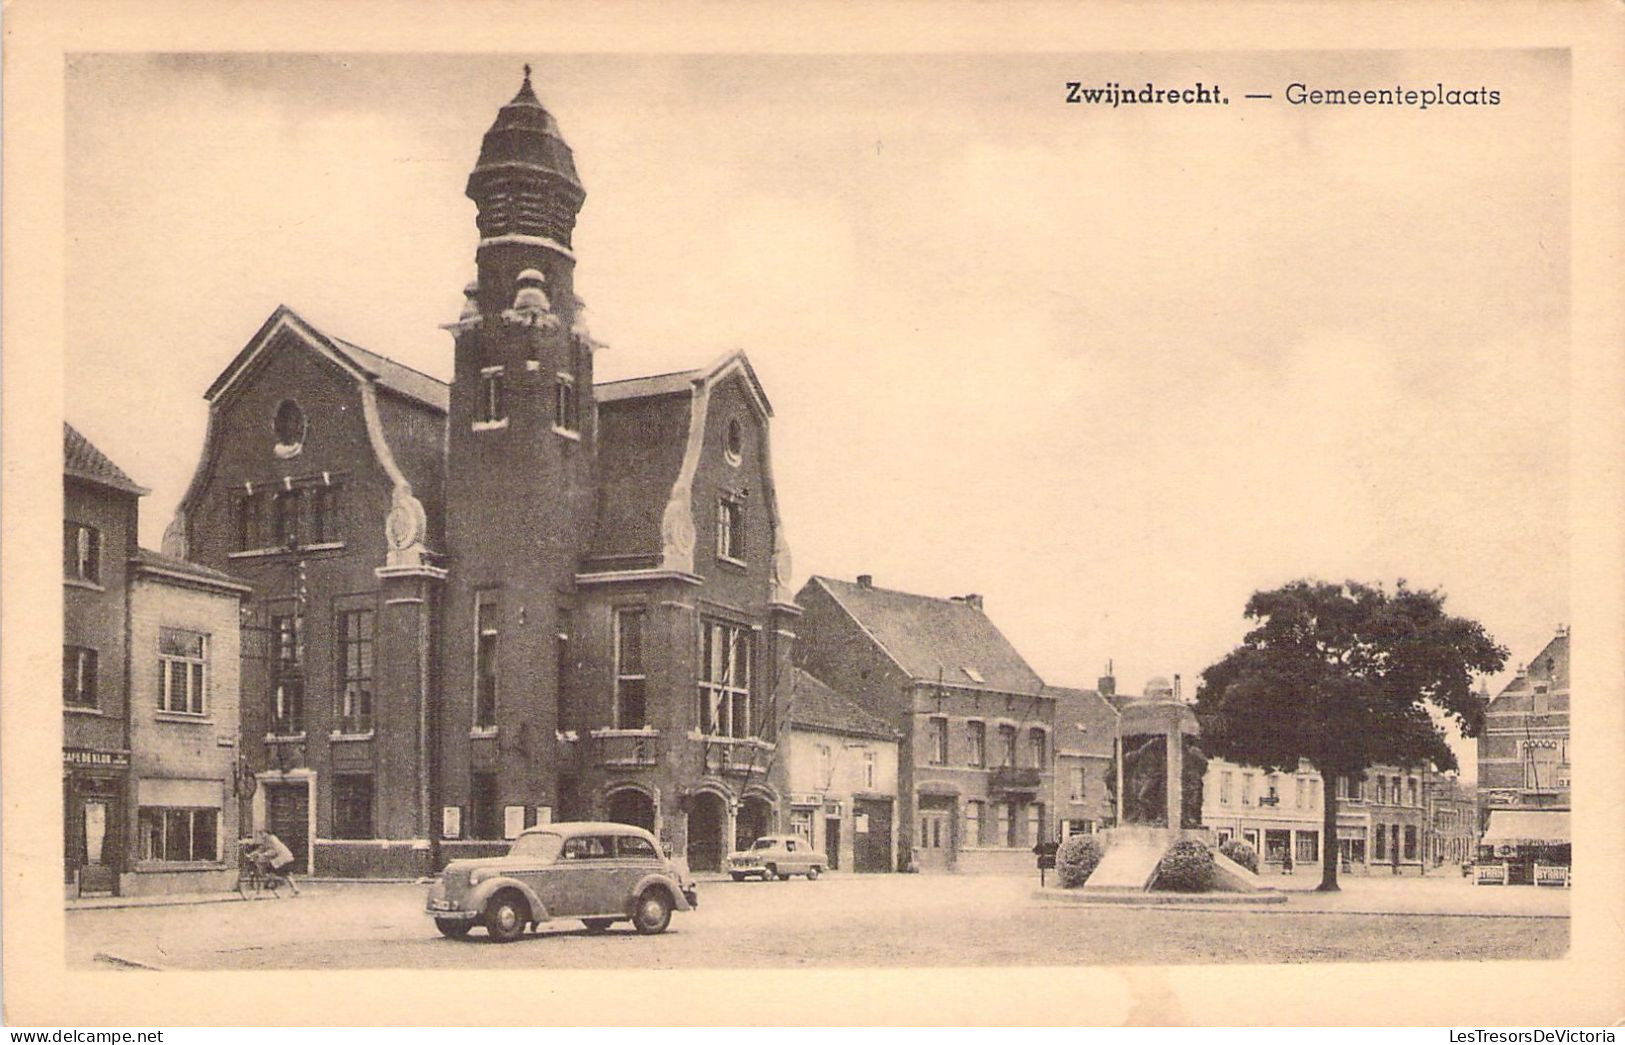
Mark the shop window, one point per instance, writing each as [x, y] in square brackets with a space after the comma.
[1308, 847]
[79, 676]
[1379, 841]
[352, 806]
[724, 688]
[1275, 845]
[630, 709]
[183, 659]
[486, 633]
[82, 552]
[937, 737]
[355, 672]
[179, 835]
[731, 529]
[1410, 841]
[976, 740]
[801, 824]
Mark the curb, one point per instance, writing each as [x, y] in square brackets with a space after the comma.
[124, 902]
[1151, 899]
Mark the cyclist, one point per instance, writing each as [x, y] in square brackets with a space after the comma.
[272, 857]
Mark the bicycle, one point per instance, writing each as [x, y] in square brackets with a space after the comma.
[253, 879]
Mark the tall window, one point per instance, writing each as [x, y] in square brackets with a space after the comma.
[1225, 779]
[1540, 764]
[352, 806]
[1003, 835]
[1035, 822]
[1380, 840]
[185, 835]
[973, 822]
[287, 674]
[937, 737]
[1078, 784]
[1007, 746]
[1246, 789]
[731, 529]
[1410, 841]
[491, 409]
[1357, 788]
[183, 659]
[1382, 790]
[82, 552]
[630, 710]
[1410, 792]
[566, 412]
[324, 515]
[724, 694]
[485, 663]
[287, 518]
[79, 676]
[250, 521]
[1036, 748]
[869, 769]
[1342, 787]
[976, 739]
[355, 672]
[826, 765]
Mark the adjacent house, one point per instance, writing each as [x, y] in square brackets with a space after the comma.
[1086, 734]
[976, 765]
[842, 762]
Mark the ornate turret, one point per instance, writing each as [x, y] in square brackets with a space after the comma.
[528, 194]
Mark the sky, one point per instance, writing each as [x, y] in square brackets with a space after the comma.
[1114, 370]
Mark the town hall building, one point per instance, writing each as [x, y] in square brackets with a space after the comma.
[522, 596]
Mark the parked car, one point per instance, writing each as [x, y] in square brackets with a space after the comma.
[596, 872]
[777, 856]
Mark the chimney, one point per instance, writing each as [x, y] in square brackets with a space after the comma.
[866, 580]
[974, 601]
[1107, 686]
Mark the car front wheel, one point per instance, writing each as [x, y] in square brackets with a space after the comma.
[653, 912]
[769, 873]
[597, 925]
[455, 928]
[505, 918]
[812, 873]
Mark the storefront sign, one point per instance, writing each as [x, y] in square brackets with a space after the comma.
[78, 756]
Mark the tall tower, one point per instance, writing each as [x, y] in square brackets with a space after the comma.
[519, 478]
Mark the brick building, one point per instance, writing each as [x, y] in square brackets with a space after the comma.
[1086, 733]
[976, 764]
[149, 698]
[842, 763]
[521, 596]
[1524, 774]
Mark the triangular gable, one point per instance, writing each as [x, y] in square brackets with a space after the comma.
[283, 319]
[738, 362]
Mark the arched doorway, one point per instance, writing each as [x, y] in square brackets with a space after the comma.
[707, 825]
[755, 820]
[631, 806]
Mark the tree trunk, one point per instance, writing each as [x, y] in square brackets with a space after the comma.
[1331, 852]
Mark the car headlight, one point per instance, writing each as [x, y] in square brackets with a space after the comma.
[476, 877]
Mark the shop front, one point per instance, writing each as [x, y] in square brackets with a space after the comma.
[94, 817]
[1526, 847]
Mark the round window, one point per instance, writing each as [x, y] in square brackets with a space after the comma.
[736, 441]
[290, 428]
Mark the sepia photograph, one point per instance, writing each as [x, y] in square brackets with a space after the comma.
[637, 511]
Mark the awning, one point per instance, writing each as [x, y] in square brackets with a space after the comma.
[1512, 826]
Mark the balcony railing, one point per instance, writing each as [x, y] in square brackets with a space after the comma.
[626, 748]
[1015, 779]
[736, 756]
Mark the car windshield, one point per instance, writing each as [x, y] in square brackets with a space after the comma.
[538, 846]
[763, 843]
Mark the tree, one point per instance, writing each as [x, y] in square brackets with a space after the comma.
[1343, 676]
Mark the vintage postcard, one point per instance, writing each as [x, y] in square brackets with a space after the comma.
[900, 514]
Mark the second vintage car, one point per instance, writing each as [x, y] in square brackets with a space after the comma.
[598, 873]
[777, 856]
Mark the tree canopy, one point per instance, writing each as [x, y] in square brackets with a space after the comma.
[1342, 676]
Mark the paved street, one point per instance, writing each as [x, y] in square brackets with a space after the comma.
[840, 921]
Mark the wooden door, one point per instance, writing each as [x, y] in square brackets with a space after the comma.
[287, 814]
[871, 843]
[832, 841]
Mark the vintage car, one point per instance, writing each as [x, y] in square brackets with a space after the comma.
[598, 873]
[777, 856]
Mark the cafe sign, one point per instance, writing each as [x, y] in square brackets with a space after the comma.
[80, 756]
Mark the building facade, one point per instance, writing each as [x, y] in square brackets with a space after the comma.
[976, 759]
[184, 664]
[1086, 732]
[520, 596]
[1523, 753]
[843, 776]
[100, 512]
[1452, 822]
[1383, 817]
